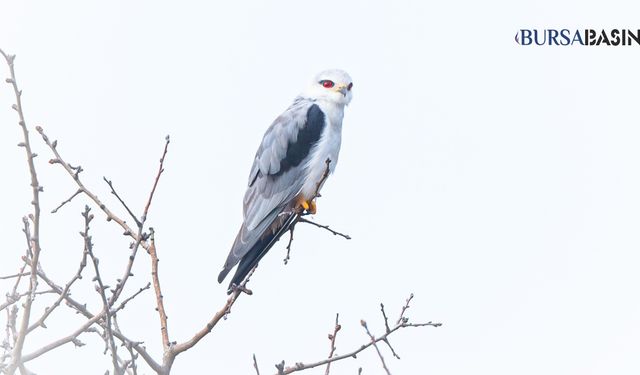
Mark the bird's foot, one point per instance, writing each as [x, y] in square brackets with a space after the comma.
[308, 206]
[234, 288]
[312, 209]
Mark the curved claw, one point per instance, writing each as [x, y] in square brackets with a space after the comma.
[308, 206]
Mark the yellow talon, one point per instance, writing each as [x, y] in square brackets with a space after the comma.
[306, 205]
[312, 207]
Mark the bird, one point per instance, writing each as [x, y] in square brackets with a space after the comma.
[297, 153]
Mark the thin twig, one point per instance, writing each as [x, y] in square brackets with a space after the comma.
[113, 191]
[291, 229]
[11, 332]
[64, 340]
[26, 231]
[140, 349]
[384, 315]
[20, 274]
[332, 337]
[404, 308]
[88, 247]
[130, 364]
[82, 309]
[78, 275]
[375, 345]
[386, 341]
[155, 183]
[66, 201]
[255, 364]
[15, 298]
[156, 287]
[335, 233]
[141, 237]
[127, 300]
[12, 314]
[324, 177]
[35, 239]
[226, 309]
[141, 241]
[164, 327]
[386, 325]
[24, 264]
[74, 173]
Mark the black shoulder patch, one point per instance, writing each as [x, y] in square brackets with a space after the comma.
[308, 136]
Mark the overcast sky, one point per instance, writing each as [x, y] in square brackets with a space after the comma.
[498, 183]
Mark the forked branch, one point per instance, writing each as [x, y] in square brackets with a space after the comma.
[404, 323]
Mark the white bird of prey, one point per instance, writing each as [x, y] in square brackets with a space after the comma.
[288, 166]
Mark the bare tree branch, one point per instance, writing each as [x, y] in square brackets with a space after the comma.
[226, 309]
[64, 340]
[16, 275]
[62, 295]
[326, 227]
[286, 259]
[74, 172]
[14, 299]
[255, 364]
[155, 183]
[35, 238]
[140, 349]
[10, 335]
[79, 191]
[113, 191]
[375, 345]
[386, 320]
[299, 366]
[141, 237]
[130, 364]
[127, 300]
[323, 179]
[82, 309]
[404, 308]
[88, 248]
[386, 325]
[354, 353]
[332, 337]
[140, 240]
[159, 298]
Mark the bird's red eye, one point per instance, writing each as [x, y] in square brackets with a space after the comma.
[327, 83]
[350, 86]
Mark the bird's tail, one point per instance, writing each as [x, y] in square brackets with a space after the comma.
[257, 251]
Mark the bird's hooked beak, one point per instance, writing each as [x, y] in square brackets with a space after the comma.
[342, 88]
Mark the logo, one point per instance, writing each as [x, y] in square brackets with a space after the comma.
[579, 37]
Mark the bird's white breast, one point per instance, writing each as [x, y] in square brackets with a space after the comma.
[328, 147]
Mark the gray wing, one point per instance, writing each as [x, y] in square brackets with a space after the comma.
[277, 174]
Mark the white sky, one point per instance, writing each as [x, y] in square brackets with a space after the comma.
[498, 183]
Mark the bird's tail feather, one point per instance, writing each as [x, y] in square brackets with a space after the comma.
[258, 250]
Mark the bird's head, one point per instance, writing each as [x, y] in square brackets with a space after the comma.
[333, 85]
